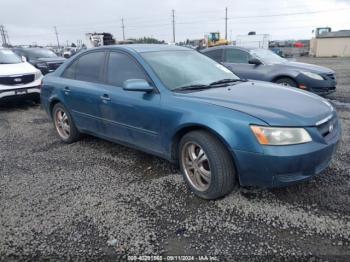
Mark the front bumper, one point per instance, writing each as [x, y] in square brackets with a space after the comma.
[322, 91]
[320, 87]
[285, 165]
[30, 90]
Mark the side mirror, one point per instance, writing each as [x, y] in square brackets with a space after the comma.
[137, 85]
[24, 59]
[254, 61]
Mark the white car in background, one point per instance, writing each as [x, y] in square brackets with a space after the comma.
[17, 77]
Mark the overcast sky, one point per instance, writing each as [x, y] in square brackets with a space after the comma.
[32, 21]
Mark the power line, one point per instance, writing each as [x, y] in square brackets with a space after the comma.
[290, 14]
[210, 21]
[155, 23]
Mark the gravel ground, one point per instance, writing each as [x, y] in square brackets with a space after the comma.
[94, 200]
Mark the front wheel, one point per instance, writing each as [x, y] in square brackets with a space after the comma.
[64, 124]
[285, 81]
[206, 165]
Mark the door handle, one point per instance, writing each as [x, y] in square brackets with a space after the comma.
[66, 90]
[105, 98]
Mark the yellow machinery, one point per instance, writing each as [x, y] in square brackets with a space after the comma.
[214, 40]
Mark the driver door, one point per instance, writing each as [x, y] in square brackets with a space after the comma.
[130, 116]
[238, 62]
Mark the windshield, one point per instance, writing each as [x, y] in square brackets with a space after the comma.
[267, 56]
[40, 53]
[184, 68]
[9, 57]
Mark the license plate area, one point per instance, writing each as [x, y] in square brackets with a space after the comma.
[21, 92]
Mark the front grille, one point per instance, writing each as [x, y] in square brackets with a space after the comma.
[54, 66]
[16, 80]
[329, 127]
[330, 76]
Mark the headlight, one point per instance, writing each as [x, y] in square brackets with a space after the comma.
[38, 75]
[41, 65]
[276, 136]
[312, 75]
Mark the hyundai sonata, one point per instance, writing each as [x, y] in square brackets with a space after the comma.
[178, 104]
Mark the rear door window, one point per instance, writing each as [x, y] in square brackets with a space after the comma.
[89, 67]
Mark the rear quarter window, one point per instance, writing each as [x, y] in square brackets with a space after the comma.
[69, 72]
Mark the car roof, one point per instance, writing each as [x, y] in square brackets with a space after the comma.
[142, 48]
[229, 47]
[30, 48]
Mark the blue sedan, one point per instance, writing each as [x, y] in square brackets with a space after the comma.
[178, 104]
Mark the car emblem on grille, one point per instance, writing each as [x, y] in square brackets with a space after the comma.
[331, 127]
[17, 80]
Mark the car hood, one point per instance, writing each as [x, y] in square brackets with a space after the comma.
[17, 69]
[275, 105]
[50, 59]
[308, 67]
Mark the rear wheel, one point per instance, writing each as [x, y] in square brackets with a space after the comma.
[64, 124]
[206, 165]
[286, 81]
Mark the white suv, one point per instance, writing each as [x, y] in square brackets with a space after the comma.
[17, 77]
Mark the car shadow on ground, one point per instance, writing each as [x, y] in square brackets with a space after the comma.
[15, 104]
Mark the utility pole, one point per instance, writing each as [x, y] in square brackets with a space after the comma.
[58, 42]
[3, 36]
[173, 12]
[123, 27]
[226, 23]
[6, 34]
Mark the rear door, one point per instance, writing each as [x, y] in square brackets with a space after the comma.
[130, 116]
[83, 89]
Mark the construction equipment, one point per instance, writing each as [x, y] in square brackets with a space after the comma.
[213, 39]
[99, 39]
[321, 30]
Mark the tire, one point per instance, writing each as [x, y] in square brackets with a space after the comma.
[222, 178]
[286, 81]
[62, 125]
[37, 100]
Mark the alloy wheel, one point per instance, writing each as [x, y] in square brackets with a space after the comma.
[284, 84]
[62, 124]
[196, 166]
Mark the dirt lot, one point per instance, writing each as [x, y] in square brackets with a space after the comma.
[97, 200]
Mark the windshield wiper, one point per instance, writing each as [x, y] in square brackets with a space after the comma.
[220, 83]
[227, 81]
[192, 87]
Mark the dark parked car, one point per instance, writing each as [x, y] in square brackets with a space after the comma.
[264, 65]
[178, 104]
[43, 59]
